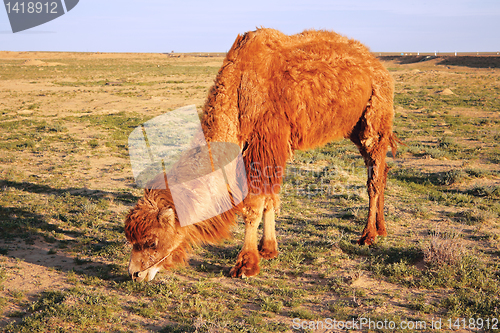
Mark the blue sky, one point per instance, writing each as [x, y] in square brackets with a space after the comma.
[211, 26]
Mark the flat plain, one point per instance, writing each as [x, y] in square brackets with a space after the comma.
[66, 186]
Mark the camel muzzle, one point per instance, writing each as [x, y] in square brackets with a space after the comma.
[139, 276]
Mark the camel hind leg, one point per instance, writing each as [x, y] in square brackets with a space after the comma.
[377, 173]
[373, 136]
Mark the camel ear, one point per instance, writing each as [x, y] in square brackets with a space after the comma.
[167, 216]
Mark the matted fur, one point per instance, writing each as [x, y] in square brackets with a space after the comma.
[275, 94]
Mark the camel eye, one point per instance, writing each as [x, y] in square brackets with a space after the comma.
[150, 245]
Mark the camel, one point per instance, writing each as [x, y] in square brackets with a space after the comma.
[275, 94]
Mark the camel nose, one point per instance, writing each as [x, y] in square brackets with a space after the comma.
[134, 276]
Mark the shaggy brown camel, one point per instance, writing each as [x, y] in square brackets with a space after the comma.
[275, 94]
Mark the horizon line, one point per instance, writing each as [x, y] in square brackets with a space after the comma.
[201, 53]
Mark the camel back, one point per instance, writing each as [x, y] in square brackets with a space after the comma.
[277, 93]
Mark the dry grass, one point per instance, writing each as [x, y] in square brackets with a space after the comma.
[443, 249]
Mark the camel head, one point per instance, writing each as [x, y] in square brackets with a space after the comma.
[153, 229]
[157, 241]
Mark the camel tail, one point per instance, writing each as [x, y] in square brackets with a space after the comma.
[393, 142]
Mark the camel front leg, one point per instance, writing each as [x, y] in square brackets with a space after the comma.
[268, 246]
[247, 263]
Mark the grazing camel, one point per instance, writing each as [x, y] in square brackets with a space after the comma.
[273, 95]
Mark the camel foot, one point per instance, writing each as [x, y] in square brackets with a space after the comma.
[268, 249]
[382, 232]
[247, 264]
[367, 239]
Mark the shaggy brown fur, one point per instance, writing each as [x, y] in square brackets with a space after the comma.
[275, 94]
[145, 217]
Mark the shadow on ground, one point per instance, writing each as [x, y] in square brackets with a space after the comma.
[34, 238]
[84, 192]
[463, 61]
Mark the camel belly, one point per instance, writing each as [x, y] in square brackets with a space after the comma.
[328, 115]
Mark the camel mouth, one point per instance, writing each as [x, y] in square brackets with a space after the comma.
[149, 273]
